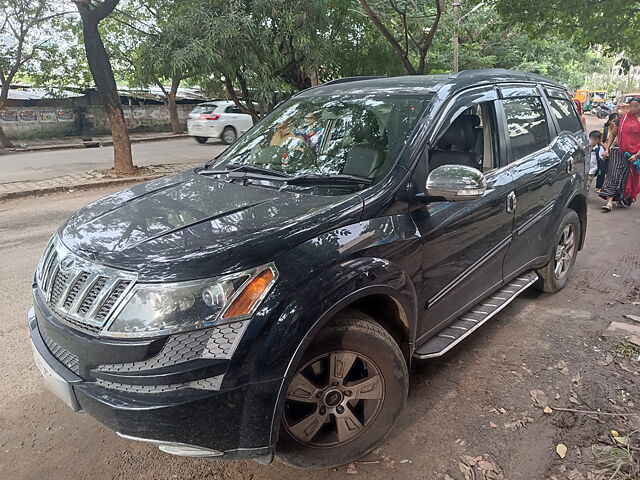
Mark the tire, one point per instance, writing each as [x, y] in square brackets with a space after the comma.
[554, 277]
[201, 139]
[372, 358]
[229, 135]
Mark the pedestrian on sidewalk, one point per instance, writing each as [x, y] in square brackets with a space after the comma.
[622, 181]
[596, 157]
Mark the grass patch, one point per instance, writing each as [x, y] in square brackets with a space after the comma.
[626, 349]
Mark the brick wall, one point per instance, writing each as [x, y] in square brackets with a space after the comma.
[58, 121]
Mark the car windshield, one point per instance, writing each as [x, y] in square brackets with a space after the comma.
[357, 135]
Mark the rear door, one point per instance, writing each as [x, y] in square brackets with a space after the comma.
[240, 120]
[539, 175]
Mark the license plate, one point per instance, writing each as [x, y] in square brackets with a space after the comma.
[54, 382]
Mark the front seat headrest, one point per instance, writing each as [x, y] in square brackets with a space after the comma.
[461, 134]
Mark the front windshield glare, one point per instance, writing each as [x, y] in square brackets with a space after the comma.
[330, 135]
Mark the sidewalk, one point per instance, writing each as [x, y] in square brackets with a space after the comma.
[84, 180]
[61, 143]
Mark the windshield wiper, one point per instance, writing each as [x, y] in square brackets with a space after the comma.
[314, 179]
[238, 167]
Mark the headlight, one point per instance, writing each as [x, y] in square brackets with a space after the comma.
[161, 309]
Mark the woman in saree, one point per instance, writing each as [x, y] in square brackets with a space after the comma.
[622, 182]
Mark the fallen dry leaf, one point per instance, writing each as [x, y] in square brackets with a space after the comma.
[352, 469]
[561, 450]
[484, 465]
[540, 398]
[574, 400]
[468, 460]
[493, 425]
[548, 410]
[466, 471]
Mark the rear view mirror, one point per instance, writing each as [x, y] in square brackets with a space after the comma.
[455, 183]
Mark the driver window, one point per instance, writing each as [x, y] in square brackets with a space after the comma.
[469, 140]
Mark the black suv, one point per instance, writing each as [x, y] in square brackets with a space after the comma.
[271, 301]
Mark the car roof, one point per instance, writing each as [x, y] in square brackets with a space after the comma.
[423, 84]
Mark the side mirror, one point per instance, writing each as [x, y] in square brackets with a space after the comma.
[456, 183]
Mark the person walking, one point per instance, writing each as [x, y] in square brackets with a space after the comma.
[609, 131]
[622, 181]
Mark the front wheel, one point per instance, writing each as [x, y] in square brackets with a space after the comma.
[201, 139]
[345, 396]
[555, 274]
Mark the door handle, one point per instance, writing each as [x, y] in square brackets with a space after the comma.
[512, 202]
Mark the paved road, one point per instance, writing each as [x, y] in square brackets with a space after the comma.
[44, 165]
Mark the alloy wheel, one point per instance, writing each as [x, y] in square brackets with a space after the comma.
[333, 399]
[565, 251]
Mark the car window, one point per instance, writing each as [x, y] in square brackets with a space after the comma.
[350, 134]
[204, 109]
[470, 140]
[527, 125]
[233, 109]
[566, 114]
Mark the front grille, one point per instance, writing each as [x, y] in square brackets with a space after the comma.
[63, 355]
[80, 293]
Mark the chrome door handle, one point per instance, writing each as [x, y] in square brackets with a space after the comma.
[512, 202]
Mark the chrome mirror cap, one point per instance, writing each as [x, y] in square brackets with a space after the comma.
[456, 183]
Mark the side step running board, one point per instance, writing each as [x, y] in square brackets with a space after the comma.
[473, 319]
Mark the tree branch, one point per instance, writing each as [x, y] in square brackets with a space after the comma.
[375, 19]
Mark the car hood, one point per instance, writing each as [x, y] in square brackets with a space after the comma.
[189, 226]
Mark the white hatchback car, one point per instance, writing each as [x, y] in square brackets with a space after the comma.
[221, 120]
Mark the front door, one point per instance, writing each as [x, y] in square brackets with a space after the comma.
[464, 243]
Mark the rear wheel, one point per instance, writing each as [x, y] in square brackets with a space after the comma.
[345, 396]
[555, 274]
[201, 139]
[229, 135]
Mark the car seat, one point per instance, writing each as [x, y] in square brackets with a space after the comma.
[457, 145]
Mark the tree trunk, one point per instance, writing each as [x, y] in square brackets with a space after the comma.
[4, 94]
[102, 73]
[173, 107]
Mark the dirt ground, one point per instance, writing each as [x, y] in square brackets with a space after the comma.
[472, 409]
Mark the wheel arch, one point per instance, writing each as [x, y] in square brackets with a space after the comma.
[578, 203]
[383, 304]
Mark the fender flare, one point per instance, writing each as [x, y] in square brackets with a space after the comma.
[408, 313]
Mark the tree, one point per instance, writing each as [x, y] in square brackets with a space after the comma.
[613, 23]
[409, 26]
[25, 37]
[259, 49]
[144, 46]
[92, 13]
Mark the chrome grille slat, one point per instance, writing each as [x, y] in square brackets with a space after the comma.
[78, 292]
[73, 289]
[91, 294]
[49, 270]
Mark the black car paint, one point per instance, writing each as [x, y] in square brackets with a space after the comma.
[422, 263]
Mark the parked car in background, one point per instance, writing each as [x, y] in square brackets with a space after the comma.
[623, 106]
[271, 301]
[221, 120]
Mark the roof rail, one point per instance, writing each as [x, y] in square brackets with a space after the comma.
[352, 79]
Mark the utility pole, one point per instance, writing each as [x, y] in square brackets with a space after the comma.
[456, 53]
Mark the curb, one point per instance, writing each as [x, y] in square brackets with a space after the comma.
[84, 186]
[101, 143]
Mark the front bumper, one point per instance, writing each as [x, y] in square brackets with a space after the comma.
[230, 423]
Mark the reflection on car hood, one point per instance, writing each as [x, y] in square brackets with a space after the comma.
[188, 226]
